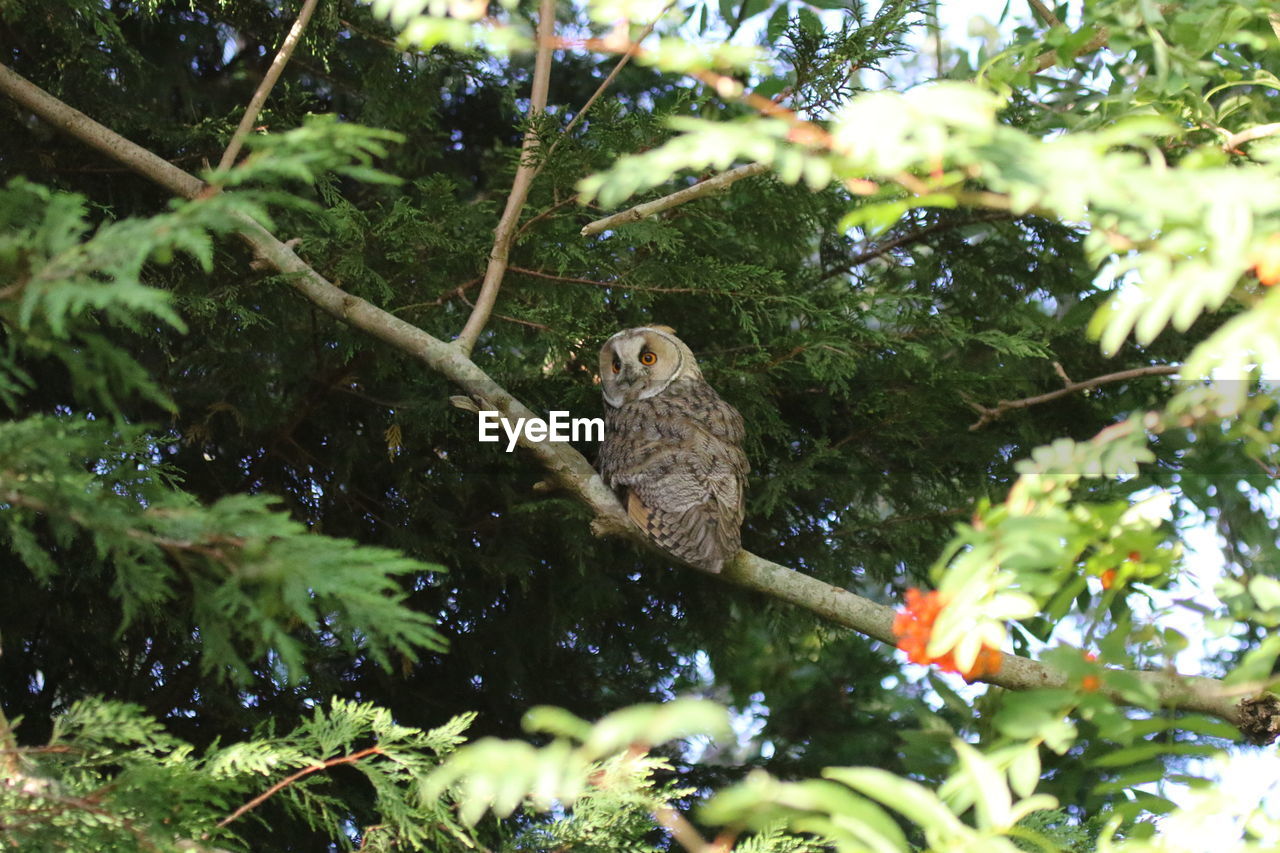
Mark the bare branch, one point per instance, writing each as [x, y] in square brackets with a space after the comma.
[1249, 134]
[88, 131]
[987, 414]
[682, 832]
[289, 780]
[504, 234]
[1049, 58]
[8, 748]
[567, 468]
[632, 49]
[618, 285]
[268, 83]
[886, 246]
[698, 190]
[1044, 13]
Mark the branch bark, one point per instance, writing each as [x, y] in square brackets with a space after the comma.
[987, 414]
[1249, 134]
[504, 234]
[289, 780]
[568, 469]
[632, 49]
[268, 83]
[911, 237]
[698, 190]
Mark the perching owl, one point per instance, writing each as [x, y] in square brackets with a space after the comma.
[672, 448]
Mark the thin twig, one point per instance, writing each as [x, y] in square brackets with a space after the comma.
[987, 414]
[684, 833]
[620, 285]
[632, 49]
[213, 545]
[268, 83]
[886, 246]
[698, 190]
[439, 300]
[504, 234]
[544, 214]
[289, 780]
[532, 325]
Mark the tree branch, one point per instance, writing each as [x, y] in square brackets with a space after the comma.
[504, 234]
[987, 414]
[1049, 58]
[632, 49]
[568, 469]
[1044, 13]
[698, 190]
[682, 832]
[268, 83]
[886, 246]
[289, 780]
[1249, 134]
[618, 285]
[8, 747]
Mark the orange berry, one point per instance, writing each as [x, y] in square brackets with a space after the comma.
[1108, 578]
[1265, 261]
[1091, 683]
[913, 625]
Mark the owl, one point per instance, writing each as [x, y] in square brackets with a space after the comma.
[672, 448]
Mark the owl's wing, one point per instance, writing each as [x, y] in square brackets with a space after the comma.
[685, 480]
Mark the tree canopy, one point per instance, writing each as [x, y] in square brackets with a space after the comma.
[998, 312]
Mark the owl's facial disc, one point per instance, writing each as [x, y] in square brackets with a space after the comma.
[640, 363]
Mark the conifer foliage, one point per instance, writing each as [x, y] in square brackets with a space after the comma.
[998, 312]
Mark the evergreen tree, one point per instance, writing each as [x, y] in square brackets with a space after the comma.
[266, 590]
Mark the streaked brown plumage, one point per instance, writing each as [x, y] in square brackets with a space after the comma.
[672, 447]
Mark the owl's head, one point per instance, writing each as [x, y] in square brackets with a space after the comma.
[636, 364]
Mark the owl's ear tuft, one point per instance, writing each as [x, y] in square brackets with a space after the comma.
[661, 328]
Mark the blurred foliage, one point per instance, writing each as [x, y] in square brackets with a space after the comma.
[241, 535]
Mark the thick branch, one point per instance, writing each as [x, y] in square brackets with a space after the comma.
[88, 131]
[987, 414]
[1044, 13]
[504, 234]
[698, 190]
[1249, 134]
[1049, 58]
[682, 831]
[568, 468]
[8, 747]
[267, 84]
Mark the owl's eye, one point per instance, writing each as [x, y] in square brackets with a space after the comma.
[648, 359]
[617, 364]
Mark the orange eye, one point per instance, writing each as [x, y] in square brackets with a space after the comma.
[617, 365]
[648, 359]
